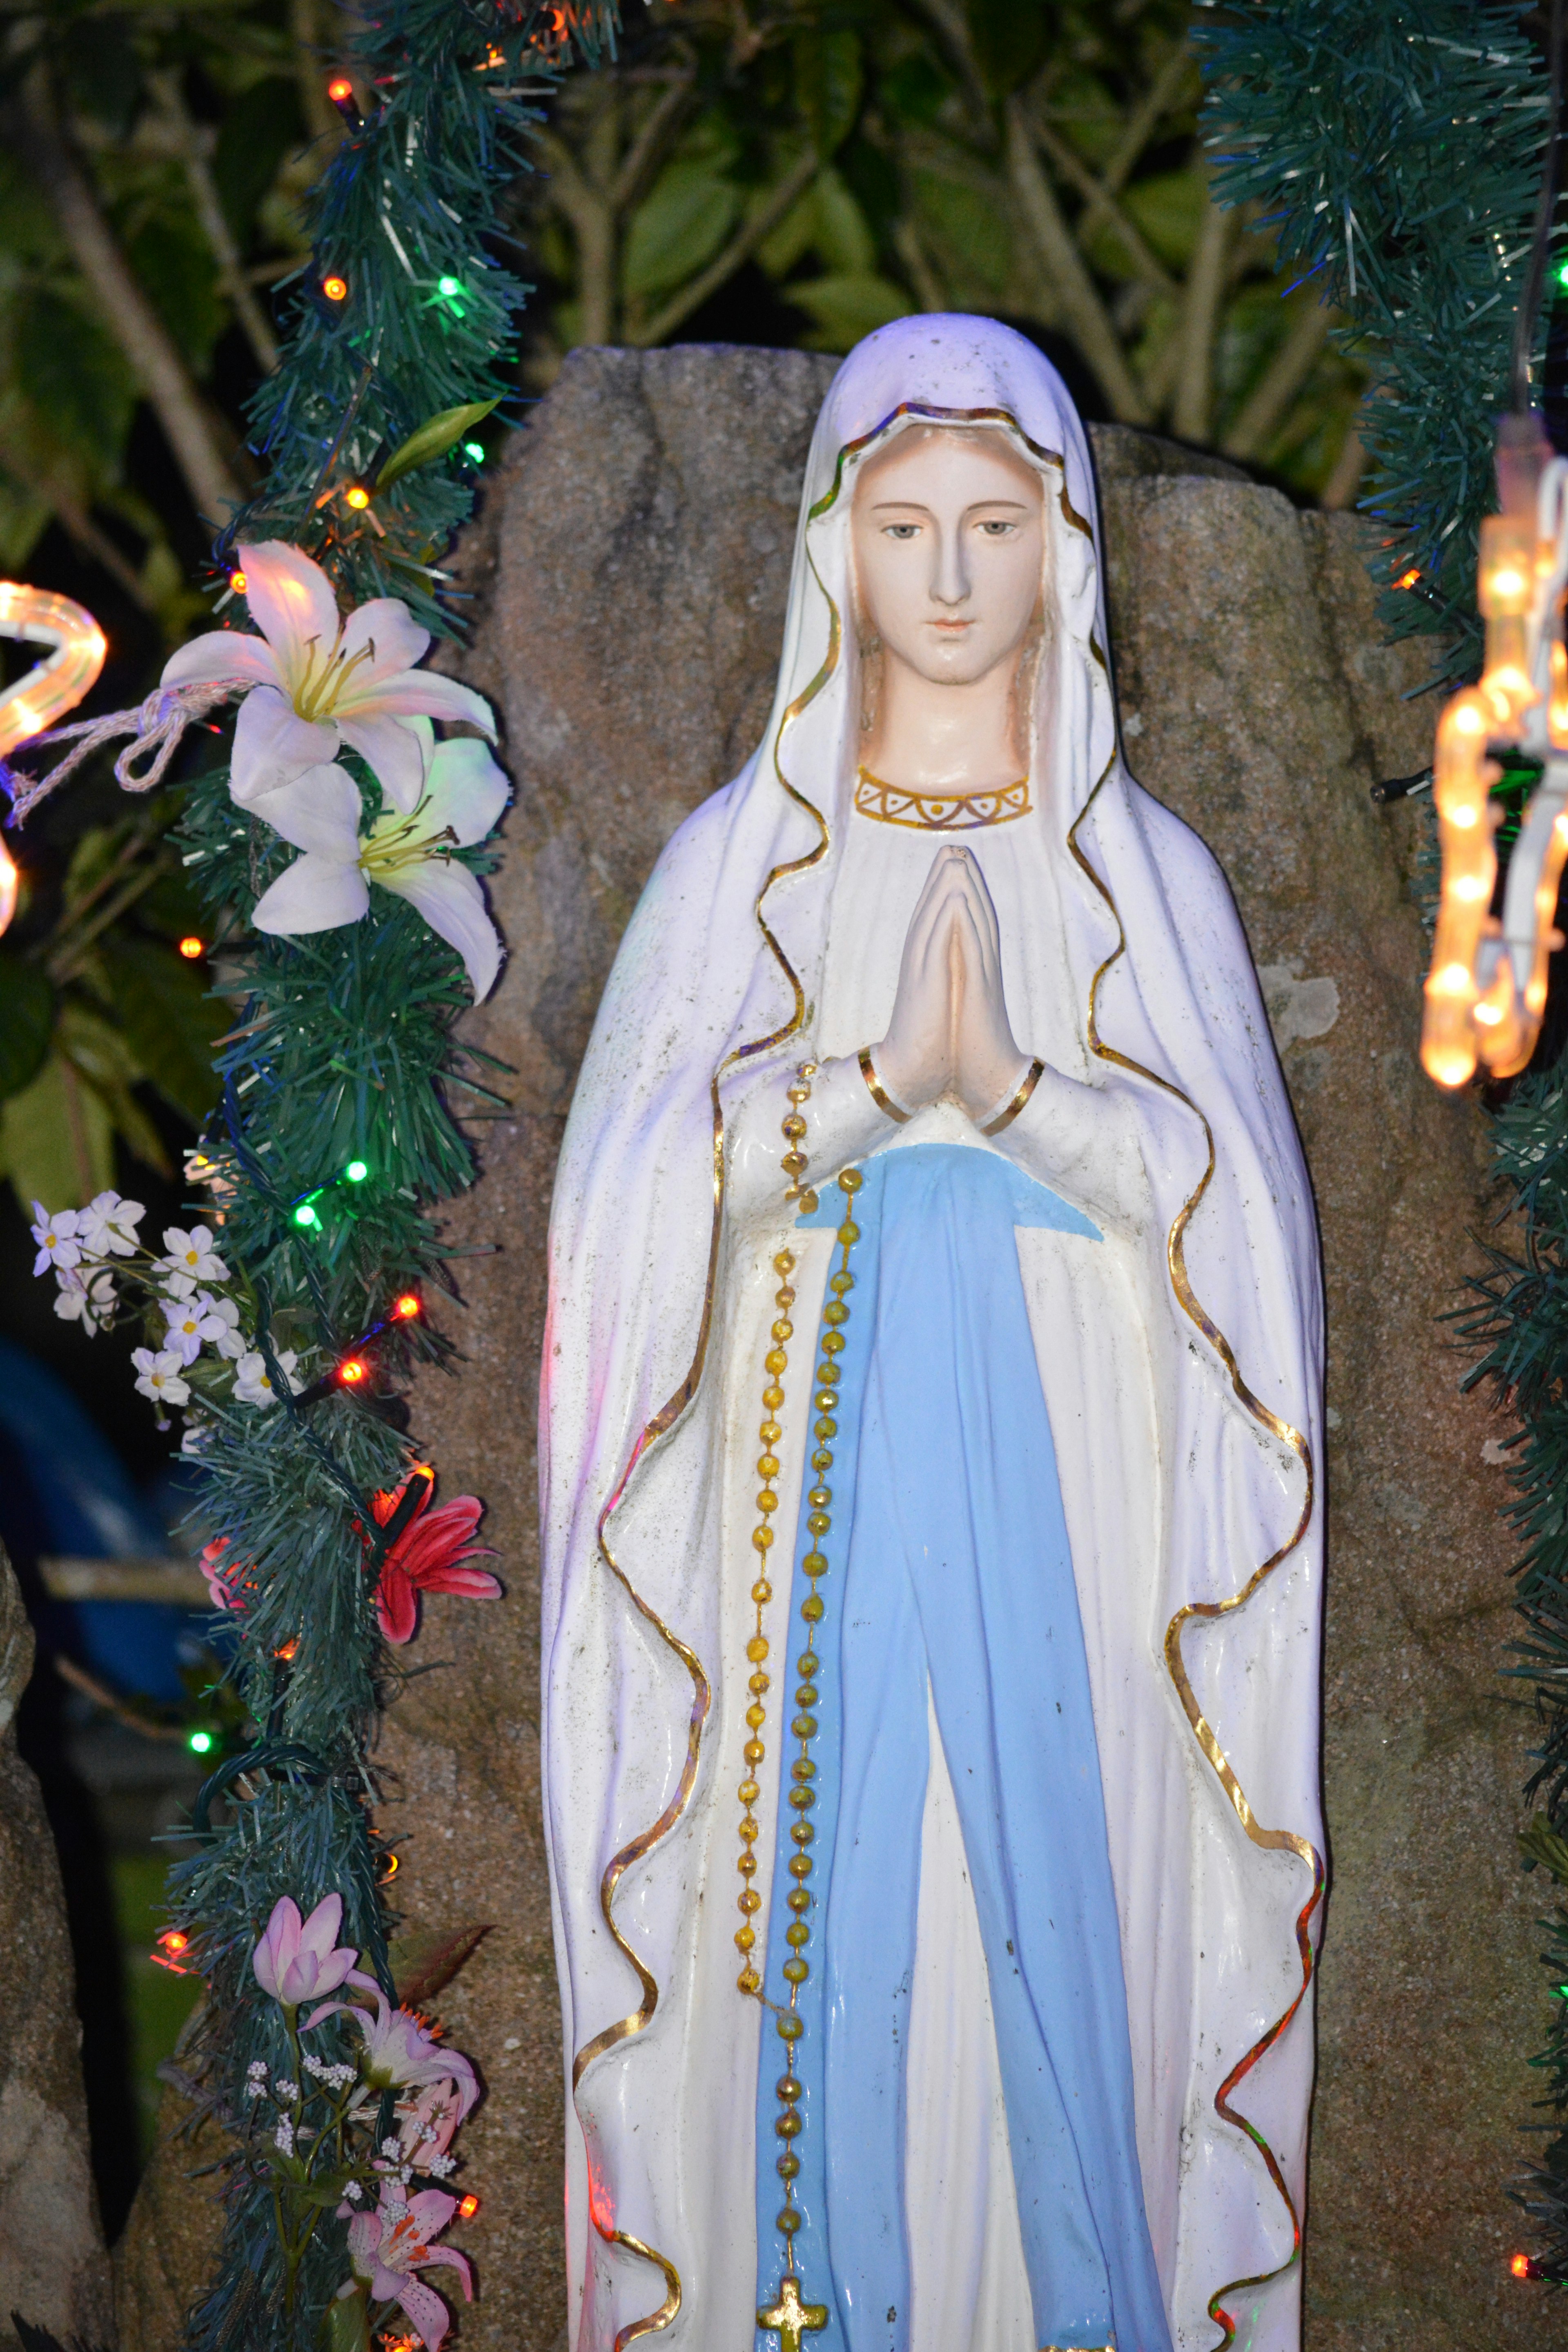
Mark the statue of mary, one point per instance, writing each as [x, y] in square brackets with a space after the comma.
[931, 1559]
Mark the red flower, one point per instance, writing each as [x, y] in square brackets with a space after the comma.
[428, 1557]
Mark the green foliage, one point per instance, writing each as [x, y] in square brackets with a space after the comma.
[1395, 147]
[434, 439]
[405, 216]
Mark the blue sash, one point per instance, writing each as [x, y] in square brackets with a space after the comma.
[949, 1565]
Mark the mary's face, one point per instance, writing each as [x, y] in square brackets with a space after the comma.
[948, 529]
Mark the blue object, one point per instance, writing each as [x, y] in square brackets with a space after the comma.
[949, 1561]
[65, 1491]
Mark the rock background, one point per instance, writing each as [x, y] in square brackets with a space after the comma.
[53, 2266]
[629, 574]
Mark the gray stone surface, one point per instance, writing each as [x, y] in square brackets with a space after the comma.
[629, 574]
[53, 2267]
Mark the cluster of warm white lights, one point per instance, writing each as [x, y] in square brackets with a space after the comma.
[38, 701]
[1486, 992]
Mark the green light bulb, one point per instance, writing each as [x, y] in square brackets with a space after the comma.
[450, 286]
[198, 1742]
[474, 450]
[304, 1214]
[356, 1172]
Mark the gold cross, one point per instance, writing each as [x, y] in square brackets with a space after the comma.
[791, 2317]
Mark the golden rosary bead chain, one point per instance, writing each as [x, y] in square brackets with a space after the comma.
[775, 1364]
[788, 2023]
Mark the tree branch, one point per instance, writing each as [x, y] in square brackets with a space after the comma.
[1280, 381]
[1191, 413]
[1146, 121]
[1100, 204]
[131, 320]
[1084, 314]
[586, 212]
[741, 248]
[213, 220]
[647, 152]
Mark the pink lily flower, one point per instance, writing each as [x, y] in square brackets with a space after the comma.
[400, 2048]
[296, 1959]
[429, 1556]
[388, 2245]
[313, 681]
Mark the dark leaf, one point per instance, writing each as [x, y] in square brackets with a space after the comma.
[424, 1964]
[161, 1004]
[27, 1018]
[828, 80]
[1009, 40]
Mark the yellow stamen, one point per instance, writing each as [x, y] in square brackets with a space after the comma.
[317, 698]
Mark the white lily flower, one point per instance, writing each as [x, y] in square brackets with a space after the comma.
[56, 1238]
[107, 1226]
[316, 681]
[191, 1321]
[252, 1383]
[191, 1258]
[158, 1375]
[406, 852]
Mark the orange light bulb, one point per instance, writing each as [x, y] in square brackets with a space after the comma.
[9, 883]
[467, 2206]
[357, 496]
[407, 1306]
[191, 948]
[290, 1649]
[353, 1372]
[336, 290]
[236, 581]
[339, 88]
[1521, 2266]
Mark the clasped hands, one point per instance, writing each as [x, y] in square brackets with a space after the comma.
[950, 1034]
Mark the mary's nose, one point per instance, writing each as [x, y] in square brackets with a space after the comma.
[950, 579]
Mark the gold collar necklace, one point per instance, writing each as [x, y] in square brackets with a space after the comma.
[939, 811]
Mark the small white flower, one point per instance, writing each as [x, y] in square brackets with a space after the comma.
[108, 1225]
[283, 2090]
[159, 1376]
[252, 1383]
[191, 1256]
[190, 1321]
[393, 2146]
[89, 1302]
[316, 2067]
[256, 2070]
[56, 1238]
[195, 1441]
[353, 2191]
[441, 2165]
[229, 1342]
[283, 2138]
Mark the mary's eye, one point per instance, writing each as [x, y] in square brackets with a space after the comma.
[998, 530]
[902, 529]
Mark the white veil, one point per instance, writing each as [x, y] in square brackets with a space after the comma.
[1212, 1795]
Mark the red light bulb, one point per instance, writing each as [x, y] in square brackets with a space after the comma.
[405, 1307]
[467, 2206]
[1522, 2267]
[351, 1372]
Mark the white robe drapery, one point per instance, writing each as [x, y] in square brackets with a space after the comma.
[1181, 1369]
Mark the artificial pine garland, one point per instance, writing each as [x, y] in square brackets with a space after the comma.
[283, 1328]
[1396, 146]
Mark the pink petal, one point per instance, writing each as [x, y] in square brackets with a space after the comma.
[455, 2261]
[291, 601]
[330, 2009]
[272, 745]
[394, 1605]
[452, 903]
[466, 791]
[221, 654]
[413, 693]
[476, 1583]
[364, 2237]
[396, 756]
[319, 1933]
[388, 624]
[427, 2310]
[316, 894]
